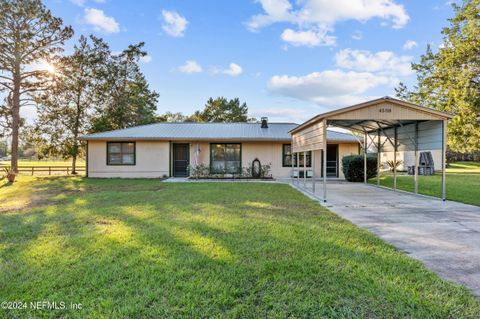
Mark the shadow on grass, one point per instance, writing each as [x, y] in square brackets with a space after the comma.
[195, 250]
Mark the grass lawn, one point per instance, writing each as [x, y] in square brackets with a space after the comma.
[147, 249]
[463, 183]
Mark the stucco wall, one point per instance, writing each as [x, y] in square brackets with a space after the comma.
[152, 161]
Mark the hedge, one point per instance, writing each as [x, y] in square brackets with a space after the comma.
[353, 167]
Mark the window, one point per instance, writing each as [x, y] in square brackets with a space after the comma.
[121, 153]
[287, 157]
[225, 158]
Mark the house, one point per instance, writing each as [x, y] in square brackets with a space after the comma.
[167, 149]
[392, 130]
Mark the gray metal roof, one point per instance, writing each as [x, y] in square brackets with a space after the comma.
[210, 132]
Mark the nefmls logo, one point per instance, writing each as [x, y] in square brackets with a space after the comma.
[47, 305]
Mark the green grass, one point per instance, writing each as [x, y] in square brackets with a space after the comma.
[463, 183]
[147, 249]
[21, 162]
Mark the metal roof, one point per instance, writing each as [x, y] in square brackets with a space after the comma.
[210, 132]
[315, 119]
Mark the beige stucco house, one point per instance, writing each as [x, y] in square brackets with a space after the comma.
[168, 149]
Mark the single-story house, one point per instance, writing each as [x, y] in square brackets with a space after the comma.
[167, 149]
[391, 129]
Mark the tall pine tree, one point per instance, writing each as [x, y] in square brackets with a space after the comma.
[29, 34]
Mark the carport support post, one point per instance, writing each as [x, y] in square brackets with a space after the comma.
[298, 168]
[312, 161]
[365, 157]
[378, 157]
[417, 159]
[292, 156]
[305, 170]
[395, 159]
[444, 159]
[324, 161]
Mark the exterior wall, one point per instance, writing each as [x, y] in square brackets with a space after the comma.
[385, 111]
[309, 138]
[151, 161]
[408, 158]
[266, 152]
[344, 150]
[429, 140]
[153, 158]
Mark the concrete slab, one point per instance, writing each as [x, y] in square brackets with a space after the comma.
[445, 236]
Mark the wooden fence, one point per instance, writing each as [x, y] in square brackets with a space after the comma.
[55, 169]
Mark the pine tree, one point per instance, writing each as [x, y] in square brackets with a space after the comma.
[29, 34]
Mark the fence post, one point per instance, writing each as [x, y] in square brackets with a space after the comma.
[68, 169]
[49, 170]
[33, 167]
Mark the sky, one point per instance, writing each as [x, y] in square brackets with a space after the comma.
[287, 59]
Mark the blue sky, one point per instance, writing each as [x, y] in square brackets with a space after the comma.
[289, 60]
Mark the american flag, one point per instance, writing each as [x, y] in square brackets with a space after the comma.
[196, 155]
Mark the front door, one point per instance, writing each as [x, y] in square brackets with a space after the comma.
[181, 158]
[332, 160]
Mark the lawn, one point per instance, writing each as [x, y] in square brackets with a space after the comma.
[463, 183]
[148, 249]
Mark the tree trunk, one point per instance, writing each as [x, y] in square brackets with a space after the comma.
[74, 164]
[15, 117]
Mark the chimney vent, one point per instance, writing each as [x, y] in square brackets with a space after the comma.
[264, 122]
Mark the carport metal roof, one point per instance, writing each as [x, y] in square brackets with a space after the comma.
[376, 116]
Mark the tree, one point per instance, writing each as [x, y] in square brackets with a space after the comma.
[449, 80]
[29, 33]
[65, 111]
[223, 110]
[128, 99]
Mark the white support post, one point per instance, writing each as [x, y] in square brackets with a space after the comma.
[395, 159]
[298, 168]
[417, 158]
[305, 170]
[365, 158]
[324, 161]
[378, 157]
[444, 159]
[293, 164]
[312, 160]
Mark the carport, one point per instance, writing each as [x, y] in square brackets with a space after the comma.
[387, 126]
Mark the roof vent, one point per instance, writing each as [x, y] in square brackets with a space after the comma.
[264, 122]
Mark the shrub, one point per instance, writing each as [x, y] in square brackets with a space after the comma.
[265, 171]
[198, 171]
[353, 167]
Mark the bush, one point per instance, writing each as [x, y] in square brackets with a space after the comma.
[353, 167]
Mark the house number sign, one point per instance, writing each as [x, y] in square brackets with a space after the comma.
[385, 110]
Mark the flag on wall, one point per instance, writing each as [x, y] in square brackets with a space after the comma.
[196, 155]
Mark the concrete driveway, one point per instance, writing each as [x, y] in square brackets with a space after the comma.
[445, 236]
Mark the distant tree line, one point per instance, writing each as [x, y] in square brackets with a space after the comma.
[90, 90]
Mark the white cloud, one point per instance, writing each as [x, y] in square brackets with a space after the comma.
[308, 38]
[320, 16]
[174, 24]
[190, 67]
[298, 115]
[357, 35]
[80, 3]
[409, 44]
[100, 21]
[328, 87]
[233, 70]
[146, 58]
[382, 62]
